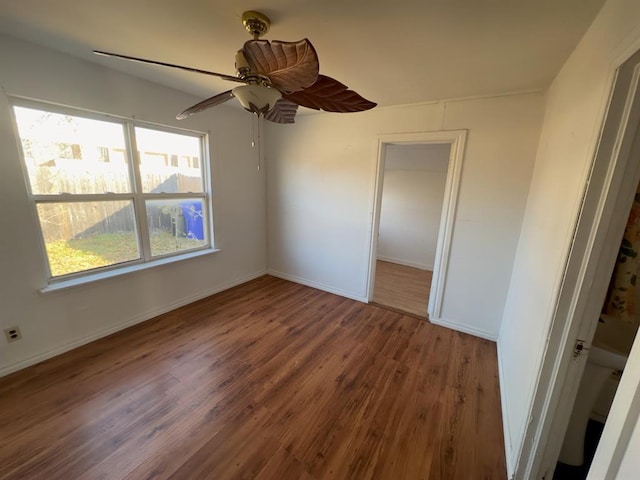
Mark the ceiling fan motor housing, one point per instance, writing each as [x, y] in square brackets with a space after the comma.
[242, 66]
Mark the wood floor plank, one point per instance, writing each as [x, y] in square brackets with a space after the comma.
[403, 288]
[268, 380]
[228, 454]
[283, 466]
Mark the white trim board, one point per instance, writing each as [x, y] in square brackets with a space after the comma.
[78, 342]
[506, 431]
[461, 327]
[455, 138]
[319, 286]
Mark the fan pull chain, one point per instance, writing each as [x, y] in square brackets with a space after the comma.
[255, 119]
[259, 142]
[253, 133]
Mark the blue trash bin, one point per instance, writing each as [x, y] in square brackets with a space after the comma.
[194, 226]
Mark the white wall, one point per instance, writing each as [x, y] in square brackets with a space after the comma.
[574, 114]
[320, 182]
[412, 197]
[56, 321]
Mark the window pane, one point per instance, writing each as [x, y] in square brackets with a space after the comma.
[169, 162]
[176, 225]
[81, 236]
[68, 154]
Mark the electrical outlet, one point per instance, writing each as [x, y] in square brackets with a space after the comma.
[12, 334]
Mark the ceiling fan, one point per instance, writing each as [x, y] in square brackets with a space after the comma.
[277, 76]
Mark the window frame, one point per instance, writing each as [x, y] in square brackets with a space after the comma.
[136, 196]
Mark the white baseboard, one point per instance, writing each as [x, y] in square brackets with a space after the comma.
[460, 327]
[406, 263]
[508, 447]
[319, 286]
[148, 315]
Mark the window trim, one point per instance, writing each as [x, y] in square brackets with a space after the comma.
[136, 196]
[104, 273]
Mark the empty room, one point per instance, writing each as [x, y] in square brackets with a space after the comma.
[200, 198]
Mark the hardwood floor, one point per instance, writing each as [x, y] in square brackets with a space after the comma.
[268, 380]
[403, 288]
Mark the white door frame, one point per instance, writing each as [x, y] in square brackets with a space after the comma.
[456, 139]
[613, 180]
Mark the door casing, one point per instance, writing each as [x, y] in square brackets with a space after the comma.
[456, 139]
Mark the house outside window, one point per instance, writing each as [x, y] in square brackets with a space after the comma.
[104, 193]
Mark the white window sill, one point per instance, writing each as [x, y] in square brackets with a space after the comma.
[116, 272]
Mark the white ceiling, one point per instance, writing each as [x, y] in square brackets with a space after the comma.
[399, 52]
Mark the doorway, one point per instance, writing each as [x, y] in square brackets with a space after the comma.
[615, 334]
[413, 185]
[610, 191]
[410, 248]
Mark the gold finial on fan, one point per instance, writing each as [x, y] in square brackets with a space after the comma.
[256, 23]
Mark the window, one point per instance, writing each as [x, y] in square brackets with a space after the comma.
[108, 193]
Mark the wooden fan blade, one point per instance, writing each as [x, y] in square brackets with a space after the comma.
[163, 64]
[208, 103]
[291, 66]
[283, 111]
[330, 95]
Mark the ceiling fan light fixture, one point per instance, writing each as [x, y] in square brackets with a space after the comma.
[268, 68]
[257, 98]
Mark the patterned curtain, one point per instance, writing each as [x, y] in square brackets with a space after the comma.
[622, 296]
